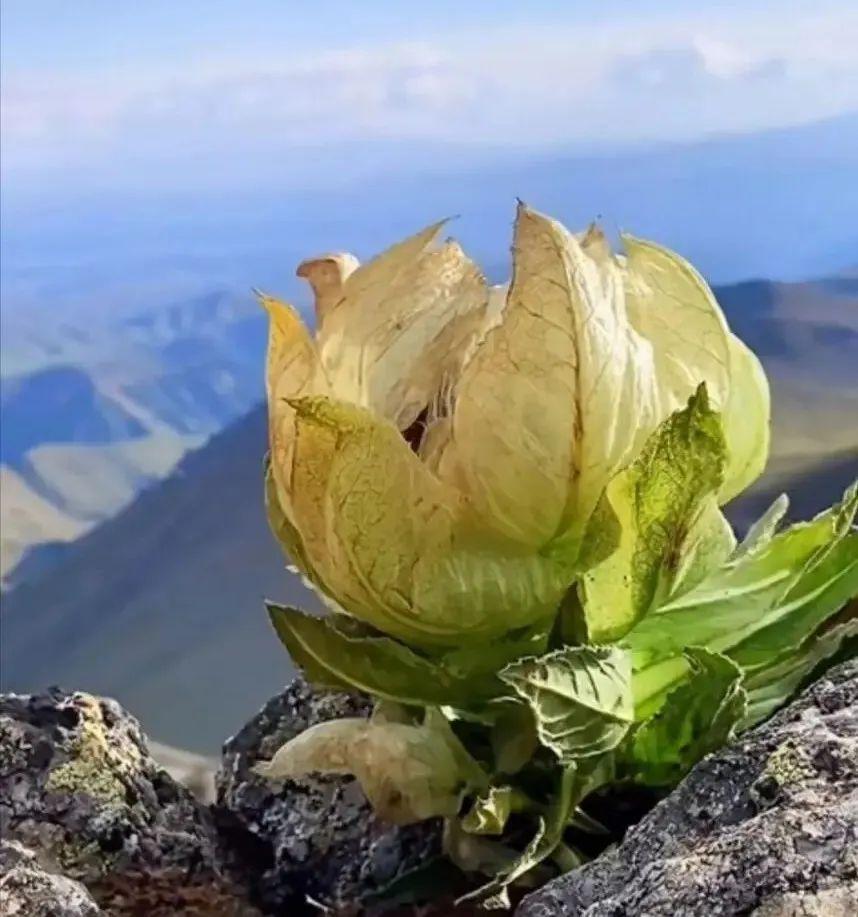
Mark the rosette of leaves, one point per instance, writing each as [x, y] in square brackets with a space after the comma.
[510, 500]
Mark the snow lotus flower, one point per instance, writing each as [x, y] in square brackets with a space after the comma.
[511, 496]
[438, 448]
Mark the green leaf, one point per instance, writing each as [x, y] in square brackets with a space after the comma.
[375, 665]
[548, 835]
[580, 697]
[475, 853]
[408, 772]
[772, 686]
[670, 526]
[698, 717]
[763, 530]
[748, 595]
[709, 543]
[514, 739]
[490, 812]
[481, 664]
[822, 590]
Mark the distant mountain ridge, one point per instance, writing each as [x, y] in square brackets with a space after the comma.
[161, 606]
[106, 411]
[806, 334]
[773, 203]
[59, 404]
[782, 319]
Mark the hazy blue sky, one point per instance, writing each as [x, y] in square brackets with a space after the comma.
[222, 93]
[156, 148]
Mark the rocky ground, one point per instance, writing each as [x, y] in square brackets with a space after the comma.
[80, 792]
[91, 824]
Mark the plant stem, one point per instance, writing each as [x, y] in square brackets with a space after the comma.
[566, 858]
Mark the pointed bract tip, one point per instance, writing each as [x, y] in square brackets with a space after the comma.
[278, 310]
[521, 208]
[313, 408]
[630, 241]
[700, 398]
[266, 300]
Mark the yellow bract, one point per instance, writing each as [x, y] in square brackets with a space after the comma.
[439, 447]
[408, 772]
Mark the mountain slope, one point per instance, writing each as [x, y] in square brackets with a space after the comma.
[28, 518]
[812, 485]
[162, 605]
[806, 335]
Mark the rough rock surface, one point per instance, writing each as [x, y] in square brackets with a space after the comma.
[78, 786]
[767, 827]
[314, 838]
[841, 901]
[28, 889]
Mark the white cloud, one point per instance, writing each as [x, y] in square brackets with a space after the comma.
[698, 66]
[609, 82]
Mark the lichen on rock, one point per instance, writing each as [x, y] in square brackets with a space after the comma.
[97, 766]
[790, 763]
[78, 786]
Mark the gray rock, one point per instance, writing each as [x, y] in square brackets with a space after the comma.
[832, 902]
[78, 787]
[29, 889]
[769, 826]
[314, 839]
